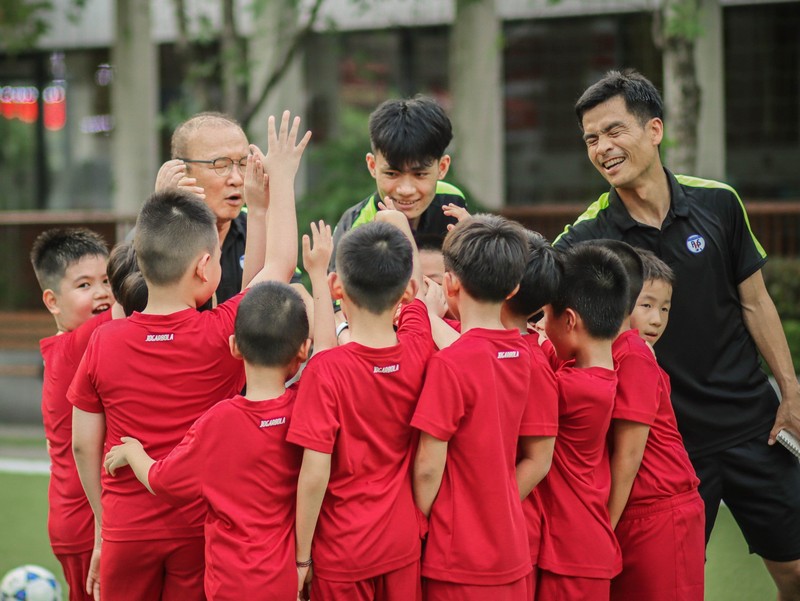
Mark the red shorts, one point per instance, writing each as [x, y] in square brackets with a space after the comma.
[556, 587]
[76, 569]
[399, 585]
[170, 570]
[440, 590]
[663, 550]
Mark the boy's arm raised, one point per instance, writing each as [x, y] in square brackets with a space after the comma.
[315, 261]
[256, 197]
[281, 163]
[391, 215]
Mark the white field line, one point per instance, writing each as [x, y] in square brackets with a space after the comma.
[30, 467]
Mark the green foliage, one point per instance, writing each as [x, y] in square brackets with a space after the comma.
[682, 19]
[22, 22]
[791, 327]
[782, 277]
[338, 175]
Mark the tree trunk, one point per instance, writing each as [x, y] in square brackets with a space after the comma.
[677, 29]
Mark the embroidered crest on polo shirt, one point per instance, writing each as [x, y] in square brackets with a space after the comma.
[507, 354]
[386, 369]
[696, 243]
[268, 423]
[159, 337]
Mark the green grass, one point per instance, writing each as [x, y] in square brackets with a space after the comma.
[23, 507]
[731, 574]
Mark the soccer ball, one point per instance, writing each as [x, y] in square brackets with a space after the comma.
[30, 583]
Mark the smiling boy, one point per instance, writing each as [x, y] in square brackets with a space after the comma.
[408, 162]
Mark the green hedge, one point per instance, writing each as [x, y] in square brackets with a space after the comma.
[782, 277]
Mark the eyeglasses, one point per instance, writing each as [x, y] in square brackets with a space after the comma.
[222, 166]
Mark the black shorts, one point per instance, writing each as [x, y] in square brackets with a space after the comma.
[760, 484]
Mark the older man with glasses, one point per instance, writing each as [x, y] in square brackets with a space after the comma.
[209, 157]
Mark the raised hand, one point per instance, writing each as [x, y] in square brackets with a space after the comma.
[317, 256]
[256, 182]
[284, 151]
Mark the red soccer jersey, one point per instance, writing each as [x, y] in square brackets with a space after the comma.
[235, 457]
[153, 376]
[356, 403]
[577, 539]
[643, 396]
[70, 521]
[543, 381]
[478, 397]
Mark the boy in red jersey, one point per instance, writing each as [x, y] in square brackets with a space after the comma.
[536, 289]
[70, 265]
[477, 403]
[355, 509]
[152, 375]
[236, 459]
[659, 518]
[235, 456]
[579, 554]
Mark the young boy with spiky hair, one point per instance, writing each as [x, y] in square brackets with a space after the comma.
[476, 406]
[150, 376]
[536, 289]
[355, 511]
[70, 265]
[579, 554]
[660, 523]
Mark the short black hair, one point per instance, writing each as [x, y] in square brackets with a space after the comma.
[631, 261]
[540, 280]
[173, 227]
[125, 277]
[409, 132]
[655, 268]
[271, 324]
[594, 285]
[56, 249]
[641, 97]
[429, 241]
[488, 254]
[375, 262]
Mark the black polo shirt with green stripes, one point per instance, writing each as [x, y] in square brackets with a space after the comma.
[432, 220]
[720, 394]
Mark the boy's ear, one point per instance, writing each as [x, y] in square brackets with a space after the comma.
[371, 164]
[451, 284]
[513, 292]
[50, 301]
[444, 166]
[335, 286]
[235, 352]
[201, 266]
[410, 293]
[571, 319]
[302, 354]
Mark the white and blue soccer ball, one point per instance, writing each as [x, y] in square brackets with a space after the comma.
[30, 583]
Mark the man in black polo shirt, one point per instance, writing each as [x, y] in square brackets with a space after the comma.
[721, 317]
